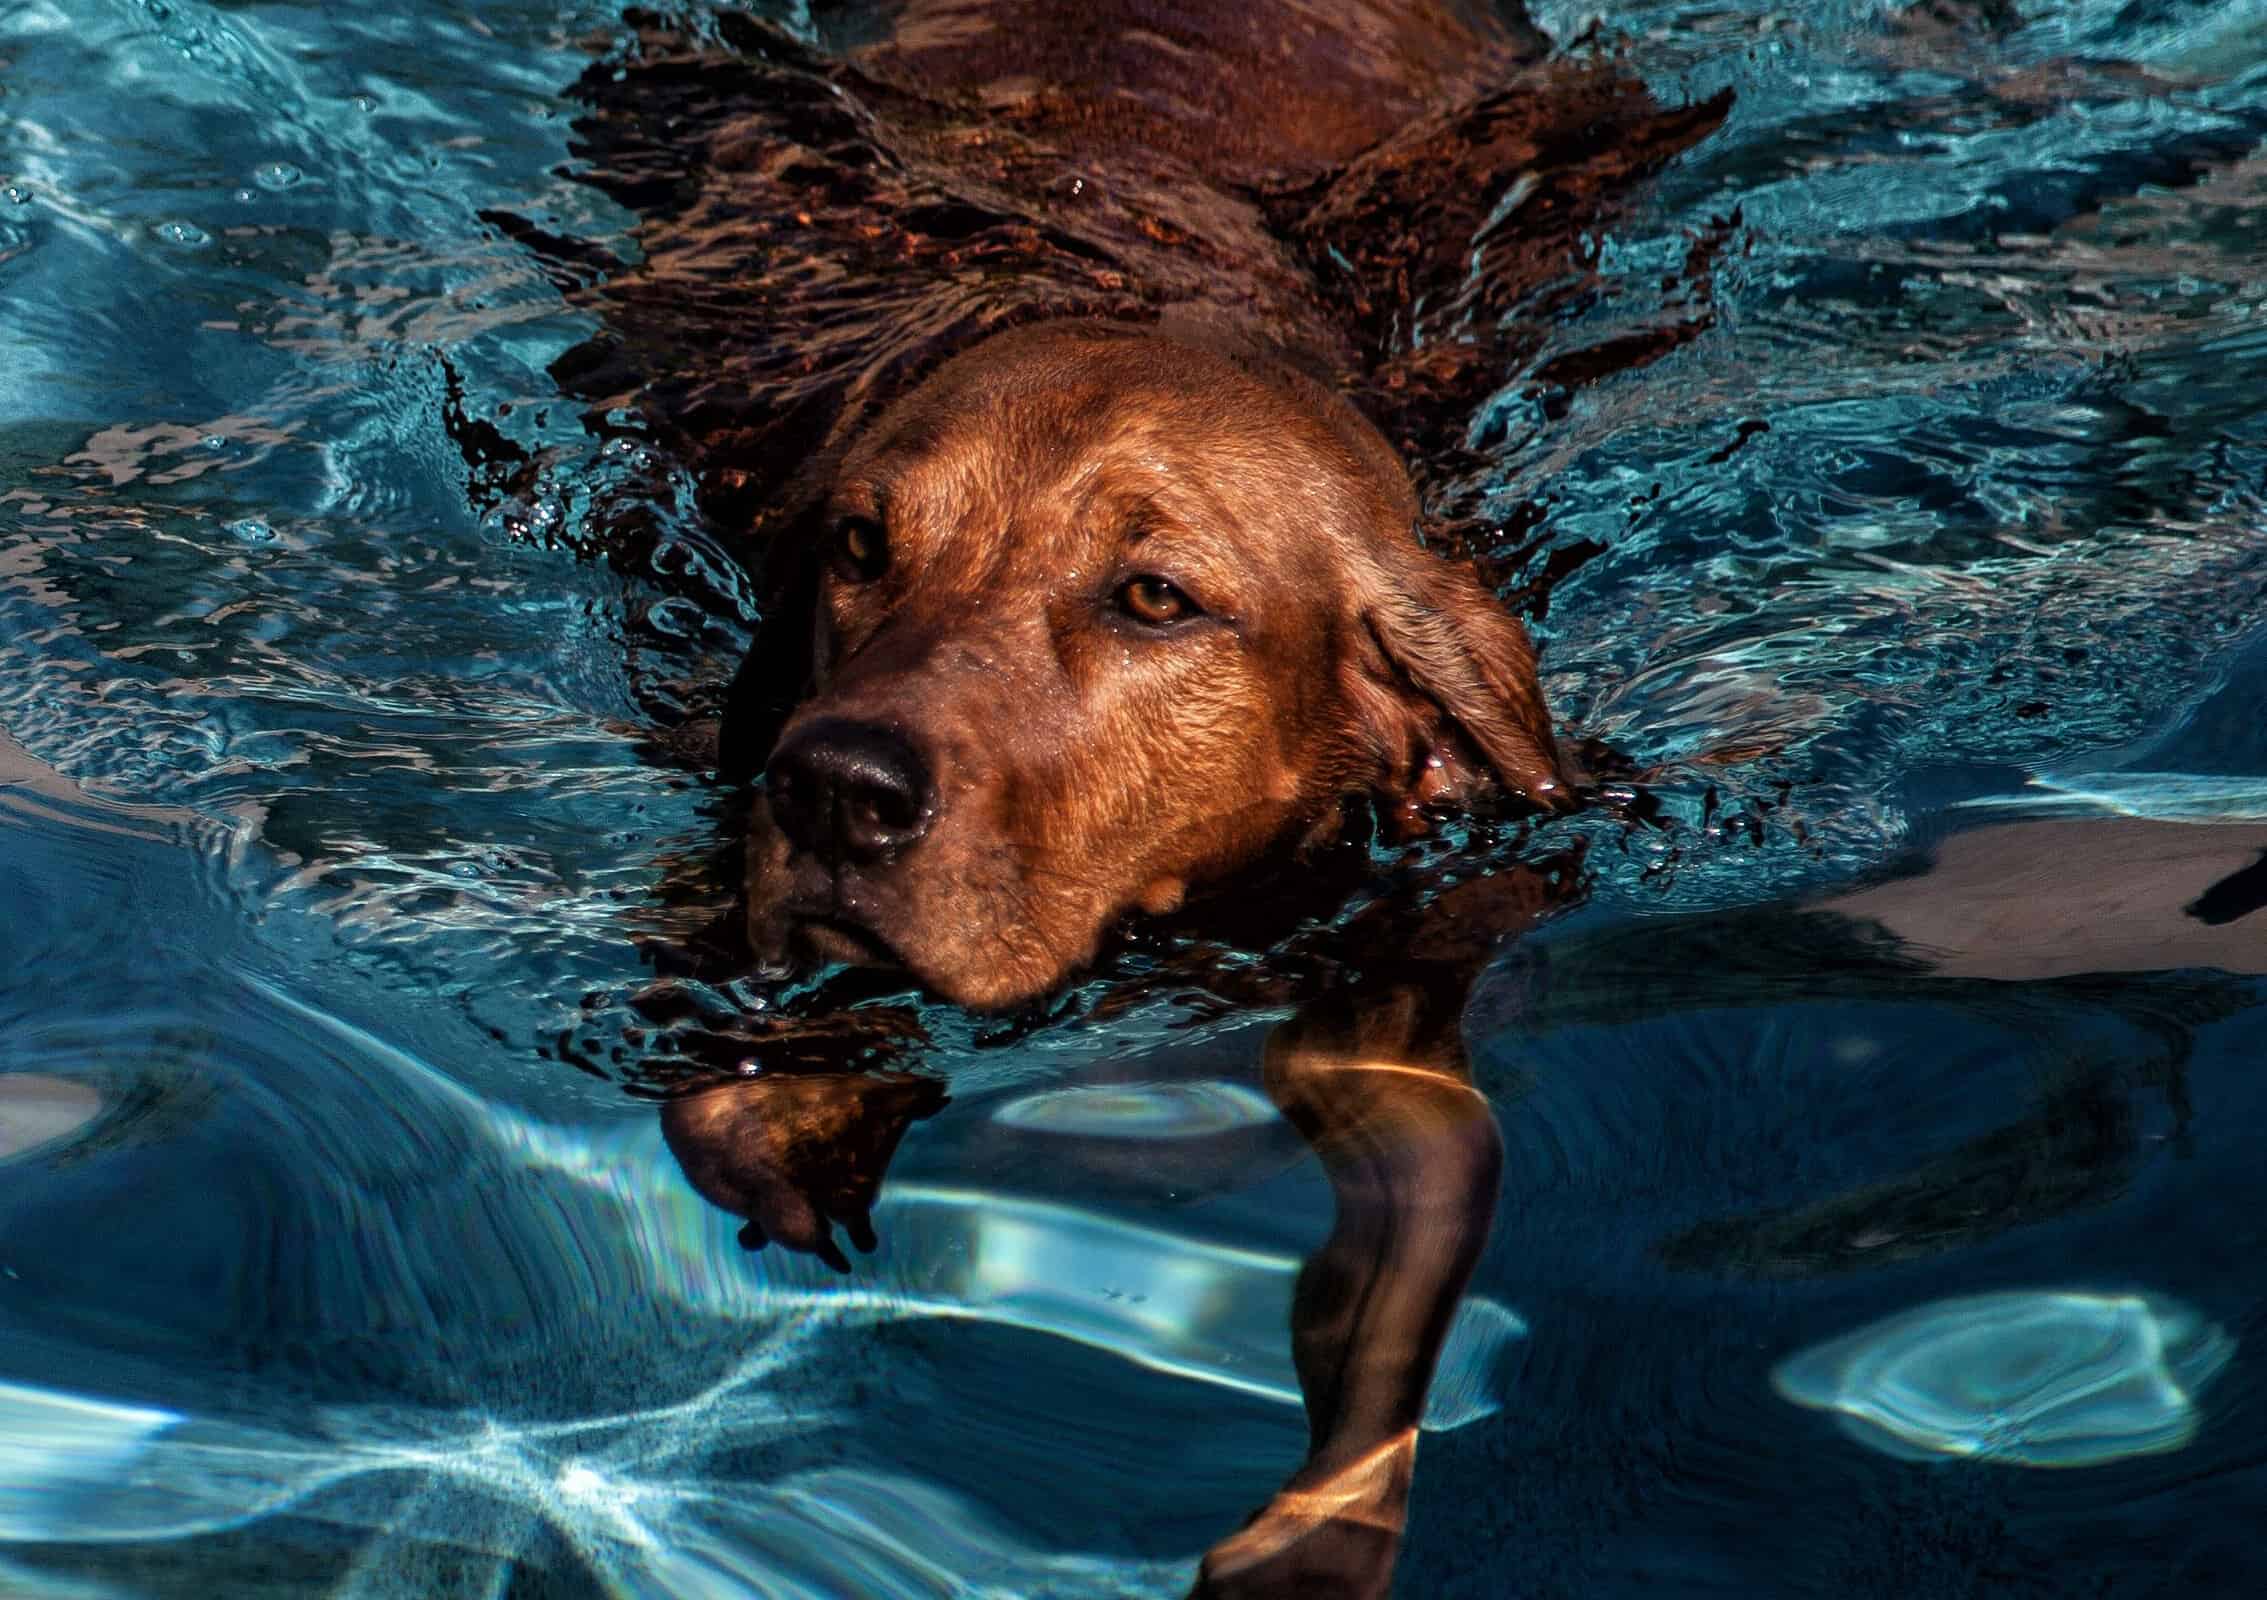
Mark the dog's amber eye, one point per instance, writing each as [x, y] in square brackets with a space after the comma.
[1152, 600]
[861, 547]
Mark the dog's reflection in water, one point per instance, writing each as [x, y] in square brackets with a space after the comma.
[1373, 1076]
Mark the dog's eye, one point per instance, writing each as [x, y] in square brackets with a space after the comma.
[861, 548]
[1152, 600]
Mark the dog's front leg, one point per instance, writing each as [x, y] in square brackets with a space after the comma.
[1377, 1085]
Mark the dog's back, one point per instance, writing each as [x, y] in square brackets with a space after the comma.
[1255, 97]
[1395, 194]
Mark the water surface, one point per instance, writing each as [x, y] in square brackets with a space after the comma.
[336, 1258]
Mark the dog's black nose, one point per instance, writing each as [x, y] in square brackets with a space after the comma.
[849, 791]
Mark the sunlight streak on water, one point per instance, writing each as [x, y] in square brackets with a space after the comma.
[1166, 1301]
[1209, 1312]
[630, 1495]
[2161, 796]
[1170, 1302]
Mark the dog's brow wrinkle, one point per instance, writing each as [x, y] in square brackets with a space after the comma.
[1088, 466]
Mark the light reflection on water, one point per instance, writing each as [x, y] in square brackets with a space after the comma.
[1139, 1111]
[633, 1491]
[628, 1495]
[1174, 1303]
[37, 1110]
[2165, 796]
[2035, 1380]
[353, 1174]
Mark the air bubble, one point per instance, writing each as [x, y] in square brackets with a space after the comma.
[16, 194]
[185, 234]
[277, 175]
[252, 530]
[675, 618]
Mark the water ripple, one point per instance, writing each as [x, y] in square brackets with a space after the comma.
[1956, 495]
[1139, 1110]
[2031, 1379]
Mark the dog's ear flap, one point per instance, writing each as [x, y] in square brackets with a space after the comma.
[1445, 690]
[775, 676]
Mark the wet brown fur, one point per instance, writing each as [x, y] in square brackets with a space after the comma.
[1052, 291]
[1085, 764]
[1055, 275]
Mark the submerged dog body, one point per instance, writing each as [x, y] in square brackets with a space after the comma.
[1099, 615]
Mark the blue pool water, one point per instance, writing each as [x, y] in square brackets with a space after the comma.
[341, 1253]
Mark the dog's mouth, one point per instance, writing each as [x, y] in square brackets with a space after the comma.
[832, 937]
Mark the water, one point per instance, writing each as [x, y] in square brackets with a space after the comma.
[341, 1252]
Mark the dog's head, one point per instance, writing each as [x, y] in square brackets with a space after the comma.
[1096, 615]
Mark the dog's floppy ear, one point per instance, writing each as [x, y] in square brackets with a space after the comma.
[776, 674]
[1444, 688]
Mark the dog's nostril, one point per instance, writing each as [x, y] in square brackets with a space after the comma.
[872, 807]
[848, 790]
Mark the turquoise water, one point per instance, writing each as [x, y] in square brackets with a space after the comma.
[340, 1251]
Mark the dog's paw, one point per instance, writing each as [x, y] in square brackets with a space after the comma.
[1289, 1553]
[1331, 1533]
[798, 1154]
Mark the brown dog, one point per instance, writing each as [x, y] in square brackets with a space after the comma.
[1065, 621]
[1057, 362]
[1106, 614]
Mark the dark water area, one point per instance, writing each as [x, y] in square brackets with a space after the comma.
[1884, 477]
